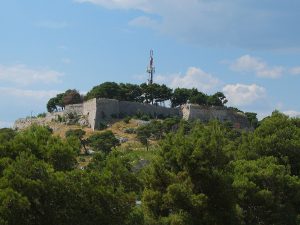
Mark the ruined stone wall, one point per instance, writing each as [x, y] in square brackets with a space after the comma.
[89, 110]
[132, 108]
[21, 124]
[75, 109]
[223, 114]
[105, 110]
[97, 111]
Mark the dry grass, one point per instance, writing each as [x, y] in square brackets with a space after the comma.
[132, 146]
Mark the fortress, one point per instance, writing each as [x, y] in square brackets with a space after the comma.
[99, 111]
[95, 112]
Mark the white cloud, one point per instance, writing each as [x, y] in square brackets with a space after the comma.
[249, 24]
[31, 94]
[292, 113]
[250, 64]
[4, 124]
[242, 95]
[295, 71]
[193, 78]
[23, 75]
[52, 24]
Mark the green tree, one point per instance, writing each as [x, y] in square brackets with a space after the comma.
[265, 191]
[55, 102]
[162, 93]
[104, 141]
[51, 105]
[200, 99]
[109, 90]
[252, 117]
[182, 95]
[79, 134]
[217, 99]
[277, 136]
[61, 154]
[143, 134]
[189, 184]
[14, 208]
[131, 92]
[72, 97]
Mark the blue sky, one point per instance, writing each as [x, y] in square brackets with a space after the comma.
[248, 49]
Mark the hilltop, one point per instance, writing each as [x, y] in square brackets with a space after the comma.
[109, 101]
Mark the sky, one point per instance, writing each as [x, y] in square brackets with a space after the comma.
[248, 49]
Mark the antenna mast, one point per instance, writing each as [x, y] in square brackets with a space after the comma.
[151, 68]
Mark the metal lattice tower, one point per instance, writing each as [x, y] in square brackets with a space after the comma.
[151, 68]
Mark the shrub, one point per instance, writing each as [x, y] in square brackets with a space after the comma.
[130, 131]
[102, 126]
[41, 115]
[103, 141]
[127, 119]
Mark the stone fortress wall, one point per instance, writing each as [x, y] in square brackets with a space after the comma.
[97, 111]
[103, 110]
[207, 113]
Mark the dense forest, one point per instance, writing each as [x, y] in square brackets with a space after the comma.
[146, 93]
[200, 174]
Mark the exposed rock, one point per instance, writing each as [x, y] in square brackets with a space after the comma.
[83, 122]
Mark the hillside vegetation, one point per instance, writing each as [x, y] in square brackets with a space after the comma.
[167, 172]
[147, 93]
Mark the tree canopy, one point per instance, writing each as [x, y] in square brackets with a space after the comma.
[197, 174]
[63, 99]
[155, 94]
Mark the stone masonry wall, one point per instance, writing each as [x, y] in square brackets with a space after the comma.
[101, 110]
[105, 110]
[223, 114]
[75, 109]
[131, 108]
[89, 110]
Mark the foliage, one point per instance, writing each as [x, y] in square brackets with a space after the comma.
[189, 182]
[201, 174]
[183, 95]
[156, 129]
[41, 115]
[252, 118]
[103, 142]
[127, 119]
[79, 133]
[72, 97]
[54, 103]
[266, 191]
[154, 94]
[105, 90]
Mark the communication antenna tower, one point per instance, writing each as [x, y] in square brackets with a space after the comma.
[151, 68]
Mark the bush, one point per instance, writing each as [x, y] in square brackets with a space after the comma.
[103, 141]
[102, 126]
[41, 115]
[130, 131]
[127, 119]
[145, 117]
